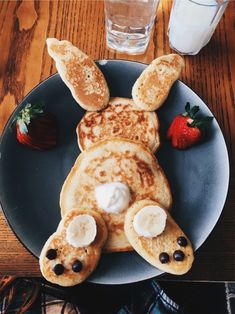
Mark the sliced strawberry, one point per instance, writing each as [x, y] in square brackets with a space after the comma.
[35, 128]
[186, 130]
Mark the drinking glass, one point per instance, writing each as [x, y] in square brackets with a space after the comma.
[192, 23]
[129, 24]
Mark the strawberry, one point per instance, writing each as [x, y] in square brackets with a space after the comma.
[186, 130]
[35, 128]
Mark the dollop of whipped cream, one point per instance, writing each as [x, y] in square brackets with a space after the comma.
[113, 197]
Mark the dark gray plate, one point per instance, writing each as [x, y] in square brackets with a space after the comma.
[30, 181]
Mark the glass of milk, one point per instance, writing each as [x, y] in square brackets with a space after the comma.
[192, 23]
[129, 24]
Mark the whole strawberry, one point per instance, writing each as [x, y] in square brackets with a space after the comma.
[35, 128]
[186, 130]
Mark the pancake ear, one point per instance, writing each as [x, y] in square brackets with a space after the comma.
[153, 85]
[80, 73]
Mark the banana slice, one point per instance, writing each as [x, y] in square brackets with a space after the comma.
[81, 231]
[150, 221]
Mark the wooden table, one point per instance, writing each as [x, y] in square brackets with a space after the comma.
[24, 62]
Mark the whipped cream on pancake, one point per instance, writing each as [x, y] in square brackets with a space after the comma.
[113, 197]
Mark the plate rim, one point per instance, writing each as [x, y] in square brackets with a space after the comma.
[18, 107]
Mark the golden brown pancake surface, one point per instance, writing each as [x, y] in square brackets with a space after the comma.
[120, 119]
[66, 254]
[115, 160]
[80, 73]
[151, 248]
[153, 85]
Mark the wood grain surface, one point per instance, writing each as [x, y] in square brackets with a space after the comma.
[24, 62]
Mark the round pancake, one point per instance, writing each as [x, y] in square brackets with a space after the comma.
[123, 119]
[115, 160]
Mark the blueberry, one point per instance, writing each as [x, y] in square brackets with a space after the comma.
[77, 266]
[51, 254]
[164, 258]
[58, 269]
[178, 255]
[182, 241]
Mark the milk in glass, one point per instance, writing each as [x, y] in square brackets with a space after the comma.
[192, 24]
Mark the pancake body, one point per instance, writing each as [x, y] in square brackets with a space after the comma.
[153, 85]
[150, 248]
[80, 73]
[67, 254]
[115, 160]
[120, 119]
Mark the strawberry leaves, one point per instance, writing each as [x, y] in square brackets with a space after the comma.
[27, 114]
[35, 128]
[201, 123]
[188, 129]
[190, 112]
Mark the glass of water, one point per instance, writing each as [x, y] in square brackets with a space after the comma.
[129, 24]
[192, 23]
